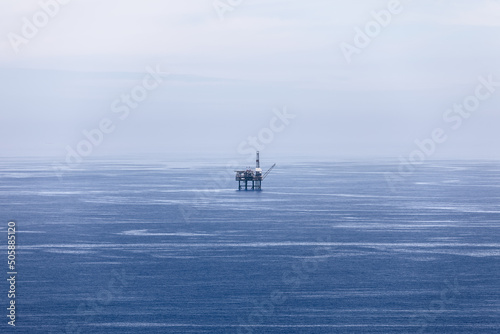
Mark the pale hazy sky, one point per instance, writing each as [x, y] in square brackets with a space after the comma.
[225, 77]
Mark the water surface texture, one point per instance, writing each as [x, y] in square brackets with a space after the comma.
[164, 247]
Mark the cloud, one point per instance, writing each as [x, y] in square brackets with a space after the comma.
[263, 55]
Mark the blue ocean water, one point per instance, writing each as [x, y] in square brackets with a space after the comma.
[327, 247]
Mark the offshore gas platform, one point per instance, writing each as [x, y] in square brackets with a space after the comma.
[244, 177]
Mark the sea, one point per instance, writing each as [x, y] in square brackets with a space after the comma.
[171, 246]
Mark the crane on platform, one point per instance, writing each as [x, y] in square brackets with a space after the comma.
[268, 171]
